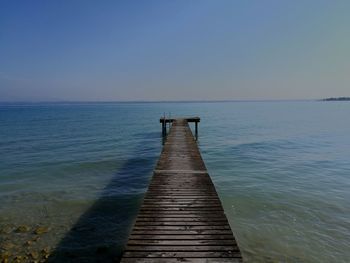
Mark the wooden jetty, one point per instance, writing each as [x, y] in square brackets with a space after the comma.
[181, 219]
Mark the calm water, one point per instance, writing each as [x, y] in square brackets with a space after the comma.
[282, 170]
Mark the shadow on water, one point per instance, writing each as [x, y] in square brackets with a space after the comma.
[101, 232]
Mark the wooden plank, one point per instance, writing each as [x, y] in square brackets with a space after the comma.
[221, 227]
[179, 213]
[208, 236]
[181, 218]
[182, 212]
[181, 254]
[187, 225]
[184, 232]
[188, 260]
[184, 196]
[183, 215]
[187, 248]
[180, 200]
[177, 209]
[180, 242]
[191, 205]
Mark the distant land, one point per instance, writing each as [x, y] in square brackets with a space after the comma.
[337, 99]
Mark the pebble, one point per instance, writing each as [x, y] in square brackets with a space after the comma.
[6, 230]
[18, 258]
[7, 246]
[28, 243]
[22, 229]
[41, 230]
[45, 250]
[34, 254]
[4, 257]
[35, 239]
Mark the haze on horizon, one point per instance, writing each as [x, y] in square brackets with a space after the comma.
[174, 50]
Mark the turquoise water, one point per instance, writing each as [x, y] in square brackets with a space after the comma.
[282, 170]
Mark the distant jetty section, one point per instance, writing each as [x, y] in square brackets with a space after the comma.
[337, 99]
[181, 219]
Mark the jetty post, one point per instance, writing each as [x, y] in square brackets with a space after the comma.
[163, 122]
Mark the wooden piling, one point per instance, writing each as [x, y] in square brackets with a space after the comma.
[181, 219]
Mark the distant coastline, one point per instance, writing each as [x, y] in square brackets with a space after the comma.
[337, 99]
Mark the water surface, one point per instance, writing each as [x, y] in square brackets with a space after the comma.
[282, 171]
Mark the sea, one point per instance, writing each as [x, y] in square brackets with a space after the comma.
[73, 175]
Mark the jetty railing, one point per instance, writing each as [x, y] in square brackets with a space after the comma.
[165, 120]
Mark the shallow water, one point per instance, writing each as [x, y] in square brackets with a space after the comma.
[282, 170]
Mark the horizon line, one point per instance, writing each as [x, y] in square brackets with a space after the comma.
[153, 101]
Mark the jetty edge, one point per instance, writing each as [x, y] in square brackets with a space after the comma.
[181, 218]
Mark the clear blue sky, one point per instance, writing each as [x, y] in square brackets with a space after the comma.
[174, 50]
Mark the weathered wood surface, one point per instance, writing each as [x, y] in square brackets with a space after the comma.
[181, 219]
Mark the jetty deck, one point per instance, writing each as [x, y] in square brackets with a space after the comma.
[181, 219]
